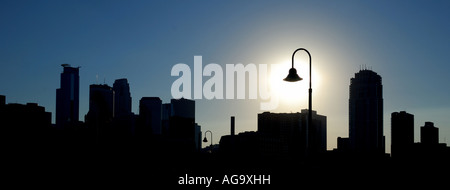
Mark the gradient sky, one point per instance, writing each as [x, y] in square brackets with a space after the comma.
[406, 42]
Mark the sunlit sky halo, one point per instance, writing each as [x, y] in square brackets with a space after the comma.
[293, 96]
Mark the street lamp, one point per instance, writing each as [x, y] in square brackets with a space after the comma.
[206, 140]
[293, 77]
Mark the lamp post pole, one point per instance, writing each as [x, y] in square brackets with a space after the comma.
[293, 77]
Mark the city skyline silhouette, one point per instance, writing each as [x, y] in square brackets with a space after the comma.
[131, 48]
[340, 36]
[168, 134]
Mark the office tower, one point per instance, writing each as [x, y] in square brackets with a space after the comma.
[429, 134]
[284, 134]
[366, 113]
[281, 135]
[24, 128]
[101, 100]
[124, 120]
[317, 140]
[402, 133]
[343, 144]
[122, 98]
[183, 108]
[2, 100]
[182, 124]
[151, 116]
[429, 152]
[198, 137]
[101, 110]
[67, 97]
[165, 118]
[182, 117]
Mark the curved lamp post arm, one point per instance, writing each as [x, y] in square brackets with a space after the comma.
[310, 60]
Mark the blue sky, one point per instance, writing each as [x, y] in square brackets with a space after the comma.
[406, 42]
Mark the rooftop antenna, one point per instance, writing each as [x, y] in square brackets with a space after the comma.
[96, 76]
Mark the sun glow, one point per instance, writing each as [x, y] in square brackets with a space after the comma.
[293, 96]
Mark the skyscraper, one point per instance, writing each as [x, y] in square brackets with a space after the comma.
[101, 110]
[24, 128]
[2, 100]
[101, 100]
[402, 133]
[198, 137]
[124, 120]
[122, 98]
[182, 126]
[67, 97]
[429, 134]
[317, 136]
[284, 134]
[183, 108]
[366, 113]
[166, 110]
[150, 113]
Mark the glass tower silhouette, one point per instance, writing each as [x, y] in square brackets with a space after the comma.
[150, 112]
[122, 98]
[429, 134]
[101, 102]
[67, 97]
[366, 113]
[402, 133]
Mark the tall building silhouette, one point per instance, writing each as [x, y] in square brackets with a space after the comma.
[182, 127]
[366, 113]
[165, 117]
[67, 97]
[183, 108]
[198, 136]
[402, 134]
[101, 100]
[284, 134]
[24, 128]
[343, 144]
[124, 120]
[150, 115]
[317, 136]
[2, 100]
[122, 98]
[101, 110]
[281, 135]
[429, 134]
[429, 151]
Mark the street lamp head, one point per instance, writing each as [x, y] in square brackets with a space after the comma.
[205, 140]
[292, 76]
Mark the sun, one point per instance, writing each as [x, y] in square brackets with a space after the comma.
[293, 96]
